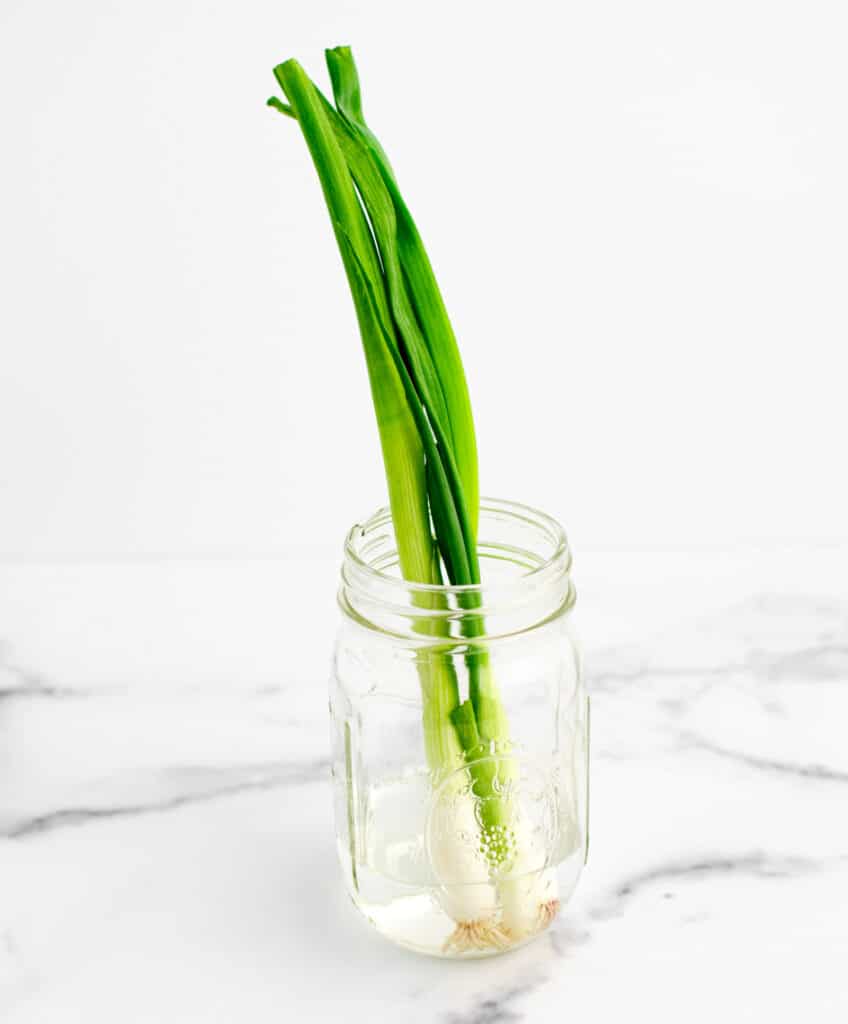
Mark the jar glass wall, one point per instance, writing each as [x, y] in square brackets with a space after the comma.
[460, 739]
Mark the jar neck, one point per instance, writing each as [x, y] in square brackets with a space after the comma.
[525, 563]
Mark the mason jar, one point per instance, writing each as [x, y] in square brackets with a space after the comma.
[458, 843]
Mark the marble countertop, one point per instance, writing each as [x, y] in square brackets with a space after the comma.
[166, 844]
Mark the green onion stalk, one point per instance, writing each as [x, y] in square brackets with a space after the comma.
[426, 430]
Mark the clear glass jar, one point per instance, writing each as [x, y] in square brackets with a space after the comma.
[448, 848]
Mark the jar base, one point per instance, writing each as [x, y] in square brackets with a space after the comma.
[413, 923]
[414, 917]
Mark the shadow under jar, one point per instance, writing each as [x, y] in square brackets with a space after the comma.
[460, 732]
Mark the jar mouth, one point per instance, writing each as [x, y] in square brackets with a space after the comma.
[525, 563]
[359, 544]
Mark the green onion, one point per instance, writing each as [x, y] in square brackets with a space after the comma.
[426, 429]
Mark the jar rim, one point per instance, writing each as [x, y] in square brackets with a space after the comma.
[557, 562]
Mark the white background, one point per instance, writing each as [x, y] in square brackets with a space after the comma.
[637, 213]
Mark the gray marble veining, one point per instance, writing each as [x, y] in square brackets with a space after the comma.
[166, 843]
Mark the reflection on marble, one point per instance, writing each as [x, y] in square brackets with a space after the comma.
[166, 846]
